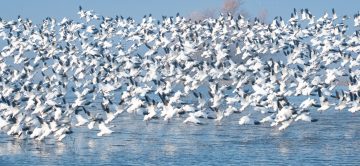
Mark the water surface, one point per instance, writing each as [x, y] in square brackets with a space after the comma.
[334, 139]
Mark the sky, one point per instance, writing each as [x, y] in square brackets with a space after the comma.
[39, 9]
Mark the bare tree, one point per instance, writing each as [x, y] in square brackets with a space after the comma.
[231, 6]
[263, 14]
[228, 6]
[201, 15]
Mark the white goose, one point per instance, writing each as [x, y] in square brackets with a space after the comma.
[104, 130]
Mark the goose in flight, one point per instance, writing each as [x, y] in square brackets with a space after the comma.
[56, 75]
[246, 120]
[104, 130]
[192, 119]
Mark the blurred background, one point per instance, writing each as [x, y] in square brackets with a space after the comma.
[265, 10]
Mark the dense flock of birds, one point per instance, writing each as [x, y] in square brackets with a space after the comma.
[59, 75]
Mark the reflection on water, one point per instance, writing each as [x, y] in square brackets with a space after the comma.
[334, 139]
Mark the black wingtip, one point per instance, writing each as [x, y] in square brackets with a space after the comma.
[314, 120]
[319, 92]
[40, 119]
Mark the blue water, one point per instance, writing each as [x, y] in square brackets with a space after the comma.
[334, 139]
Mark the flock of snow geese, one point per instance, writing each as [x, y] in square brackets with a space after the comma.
[59, 75]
